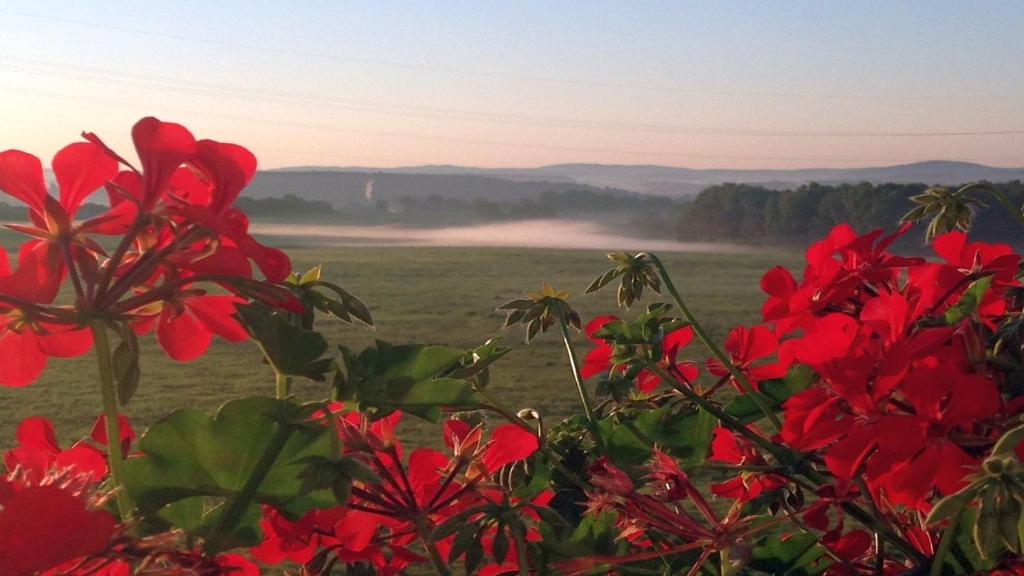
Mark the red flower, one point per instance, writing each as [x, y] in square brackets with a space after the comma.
[38, 454]
[731, 449]
[599, 359]
[25, 346]
[746, 346]
[44, 526]
[187, 324]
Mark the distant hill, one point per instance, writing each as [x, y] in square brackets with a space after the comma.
[665, 180]
[343, 187]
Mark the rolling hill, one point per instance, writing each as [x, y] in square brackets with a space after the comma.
[516, 183]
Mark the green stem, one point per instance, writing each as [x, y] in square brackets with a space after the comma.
[728, 421]
[423, 527]
[235, 509]
[723, 556]
[282, 385]
[944, 544]
[521, 555]
[108, 389]
[575, 365]
[709, 343]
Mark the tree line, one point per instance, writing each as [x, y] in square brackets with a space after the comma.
[751, 213]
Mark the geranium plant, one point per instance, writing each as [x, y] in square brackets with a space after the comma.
[870, 425]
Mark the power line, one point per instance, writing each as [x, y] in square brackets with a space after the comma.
[456, 140]
[113, 77]
[494, 74]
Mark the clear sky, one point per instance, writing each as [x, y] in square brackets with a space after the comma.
[756, 84]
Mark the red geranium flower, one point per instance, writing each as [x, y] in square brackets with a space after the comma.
[599, 359]
[731, 449]
[747, 346]
[44, 526]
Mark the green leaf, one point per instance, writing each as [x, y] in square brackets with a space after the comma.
[773, 394]
[311, 275]
[798, 554]
[1009, 441]
[189, 454]
[969, 301]
[969, 561]
[686, 435]
[291, 350]
[125, 361]
[346, 303]
[986, 528]
[499, 546]
[385, 378]
[951, 506]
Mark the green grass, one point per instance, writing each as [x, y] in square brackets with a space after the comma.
[433, 295]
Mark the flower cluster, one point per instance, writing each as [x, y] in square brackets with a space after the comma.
[905, 395]
[890, 390]
[405, 508]
[873, 423]
[174, 226]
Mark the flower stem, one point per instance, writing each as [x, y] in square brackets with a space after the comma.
[108, 390]
[575, 366]
[725, 419]
[423, 527]
[521, 554]
[709, 343]
[282, 385]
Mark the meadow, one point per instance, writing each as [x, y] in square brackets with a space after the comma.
[426, 294]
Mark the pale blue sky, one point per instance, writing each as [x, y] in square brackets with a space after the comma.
[701, 84]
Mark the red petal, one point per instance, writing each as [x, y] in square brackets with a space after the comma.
[62, 342]
[950, 246]
[455, 432]
[425, 465]
[228, 166]
[182, 336]
[725, 448]
[237, 565]
[81, 169]
[162, 147]
[20, 357]
[852, 545]
[226, 260]
[596, 324]
[509, 443]
[115, 221]
[125, 430]
[125, 183]
[597, 361]
[761, 342]
[357, 529]
[83, 459]
[21, 176]
[36, 433]
[43, 526]
[39, 273]
[216, 313]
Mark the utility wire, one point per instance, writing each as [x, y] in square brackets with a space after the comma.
[496, 74]
[163, 83]
[247, 120]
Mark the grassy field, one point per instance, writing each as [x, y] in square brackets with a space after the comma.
[433, 295]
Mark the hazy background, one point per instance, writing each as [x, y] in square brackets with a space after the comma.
[502, 84]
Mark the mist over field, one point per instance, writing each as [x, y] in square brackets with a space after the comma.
[547, 233]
